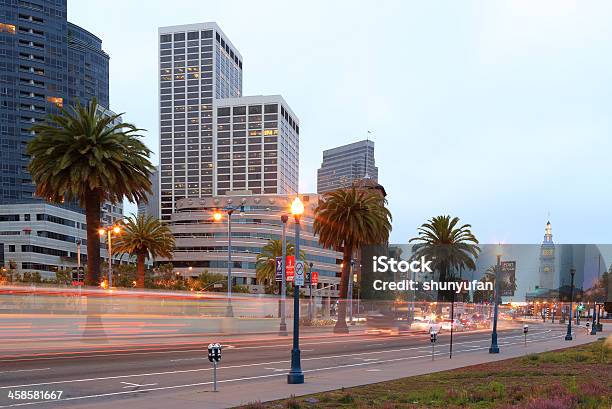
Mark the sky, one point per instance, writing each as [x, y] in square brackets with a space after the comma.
[498, 112]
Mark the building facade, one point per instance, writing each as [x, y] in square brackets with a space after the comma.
[197, 63]
[343, 165]
[46, 63]
[202, 243]
[151, 207]
[256, 143]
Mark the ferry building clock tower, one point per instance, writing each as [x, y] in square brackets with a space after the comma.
[547, 260]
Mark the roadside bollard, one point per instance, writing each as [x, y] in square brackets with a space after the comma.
[214, 356]
[433, 337]
[525, 331]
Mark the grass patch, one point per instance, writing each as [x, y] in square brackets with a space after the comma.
[573, 378]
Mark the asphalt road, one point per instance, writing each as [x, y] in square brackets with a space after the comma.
[103, 374]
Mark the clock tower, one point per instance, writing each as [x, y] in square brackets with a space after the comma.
[547, 260]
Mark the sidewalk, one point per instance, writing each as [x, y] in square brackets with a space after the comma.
[274, 386]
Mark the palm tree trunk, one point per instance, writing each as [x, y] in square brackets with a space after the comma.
[341, 327]
[140, 265]
[92, 216]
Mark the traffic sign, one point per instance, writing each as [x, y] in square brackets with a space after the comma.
[299, 272]
[290, 264]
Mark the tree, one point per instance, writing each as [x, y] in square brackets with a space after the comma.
[144, 236]
[450, 247]
[265, 267]
[84, 155]
[347, 220]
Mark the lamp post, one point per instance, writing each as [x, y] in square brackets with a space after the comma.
[494, 349]
[229, 312]
[310, 293]
[282, 329]
[599, 326]
[350, 291]
[108, 231]
[296, 375]
[568, 336]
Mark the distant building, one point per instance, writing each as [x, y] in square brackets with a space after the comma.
[151, 208]
[202, 244]
[344, 165]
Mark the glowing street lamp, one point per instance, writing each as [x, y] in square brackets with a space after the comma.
[296, 375]
[108, 231]
[494, 349]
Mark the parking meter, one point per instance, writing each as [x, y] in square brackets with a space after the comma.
[214, 356]
[433, 337]
[525, 331]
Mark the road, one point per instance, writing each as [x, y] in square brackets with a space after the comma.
[88, 376]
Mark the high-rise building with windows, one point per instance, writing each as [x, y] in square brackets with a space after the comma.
[46, 63]
[197, 63]
[213, 140]
[256, 146]
[344, 165]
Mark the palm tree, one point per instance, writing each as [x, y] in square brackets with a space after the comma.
[349, 219]
[449, 246]
[84, 155]
[266, 260]
[144, 236]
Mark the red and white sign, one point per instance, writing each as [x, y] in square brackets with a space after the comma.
[290, 268]
[314, 278]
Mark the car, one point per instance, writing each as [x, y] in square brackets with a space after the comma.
[427, 325]
[468, 324]
[455, 324]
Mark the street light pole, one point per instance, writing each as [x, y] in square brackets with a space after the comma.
[594, 323]
[282, 329]
[230, 310]
[110, 260]
[568, 336]
[350, 291]
[296, 376]
[310, 289]
[494, 349]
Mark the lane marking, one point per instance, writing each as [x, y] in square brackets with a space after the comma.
[136, 385]
[236, 379]
[239, 366]
[27, 370]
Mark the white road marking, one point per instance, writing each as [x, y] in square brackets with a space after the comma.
[241, 366]
[136, 385]
[27, 370]
[234, 380]
[373, 370]
[277, 370]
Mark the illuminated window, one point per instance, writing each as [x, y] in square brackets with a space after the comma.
[270, 132]
[7, 28]
[59, 102]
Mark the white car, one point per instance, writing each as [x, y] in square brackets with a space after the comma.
[426, 325]
[456, 324]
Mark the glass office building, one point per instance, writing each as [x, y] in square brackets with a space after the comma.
[45, 64]
[346, 164]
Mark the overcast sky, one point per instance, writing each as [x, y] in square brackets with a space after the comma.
[494, 111]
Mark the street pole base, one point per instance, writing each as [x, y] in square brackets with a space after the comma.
[229, 311]
[282, 330]
[295, 378]
[568, 338]
[593, 331]
[494, 349]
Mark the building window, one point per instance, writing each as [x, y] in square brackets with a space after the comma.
[59, 102]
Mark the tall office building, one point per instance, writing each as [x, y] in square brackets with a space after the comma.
[256, 146]
[213, 140]
[344, 165]
[46, 63]
[197, 63]
[151, 208]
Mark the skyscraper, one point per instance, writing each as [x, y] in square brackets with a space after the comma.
[45, 64]
[344, 165]
[213, 140]
[197, 63]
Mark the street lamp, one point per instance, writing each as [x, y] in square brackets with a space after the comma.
[310, 287]
[494, 349]
[594, 323]
[568, 336]
[296, 375]
[108, 231]
[282, 329]
[217, 216]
